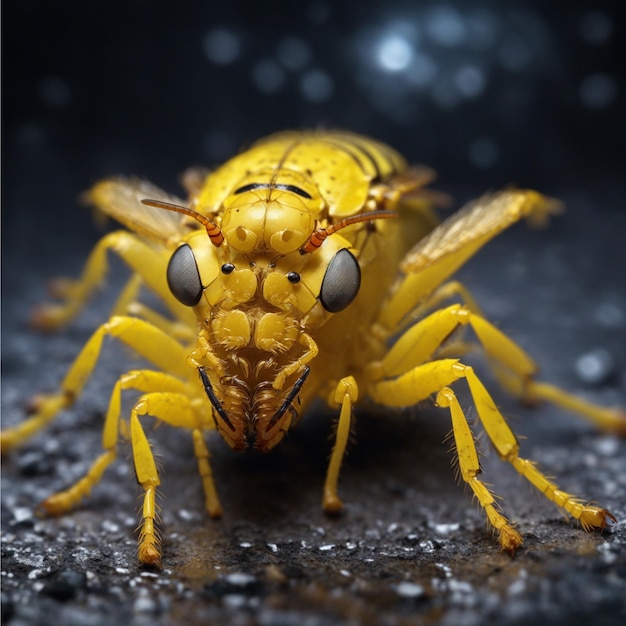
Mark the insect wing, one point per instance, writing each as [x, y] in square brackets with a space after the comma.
[193, 179]
[466, 231]
[121, 199]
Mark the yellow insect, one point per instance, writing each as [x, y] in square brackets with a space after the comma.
[302, 267]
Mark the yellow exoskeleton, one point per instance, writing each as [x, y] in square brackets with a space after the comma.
[308, 265]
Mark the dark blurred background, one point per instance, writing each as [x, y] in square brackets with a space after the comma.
[490, 93]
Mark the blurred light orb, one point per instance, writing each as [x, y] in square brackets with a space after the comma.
[470, 81]
[445, 93]
[514, 54]
[611, 314]
[595, 367]
[316, 85]
[422, 71]
[30, 136]
[596, 28]
[293, 53]
[394, 53]
[267, 76]
[446, 26]
[483, 153]
[598, 91]
[482, 26]
[221, 46]
[55, 91]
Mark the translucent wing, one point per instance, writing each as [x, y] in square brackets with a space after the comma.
[443, 251]
[193, 179]
[121, 199]
[471, 227]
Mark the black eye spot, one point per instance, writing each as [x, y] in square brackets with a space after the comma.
[293, 277]
[341, 282]
[183, 277]
[228, 268]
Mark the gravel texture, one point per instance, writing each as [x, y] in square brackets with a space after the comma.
[409, 547]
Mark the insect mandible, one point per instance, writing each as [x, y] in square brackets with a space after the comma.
[309, 265]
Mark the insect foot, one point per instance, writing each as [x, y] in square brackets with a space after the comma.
[593, 517]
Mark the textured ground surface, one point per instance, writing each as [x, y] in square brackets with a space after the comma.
[409, 547]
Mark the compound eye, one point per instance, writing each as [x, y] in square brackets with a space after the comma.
[341, 282]
[183, 277]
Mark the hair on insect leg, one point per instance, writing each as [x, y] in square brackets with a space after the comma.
[159, 498]
[454, 456]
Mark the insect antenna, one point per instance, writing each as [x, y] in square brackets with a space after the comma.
[318, 236]
[213, 230]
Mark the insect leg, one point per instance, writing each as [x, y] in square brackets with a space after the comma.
[458, 345]
[609, 419]
[140, 380]
[63, 501]
[421, 381]
[507, 447]
[451, 289]
[179, 412]
[469, 468]
[150, 342]
[149, 551]
[346, 394]
[211, 499]
[518, 376]
[418, 344]
[513, 367]
[184, 331]
[129, 294]
[175, 409]
[128, 303]
[139, 256]
[311, 352]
